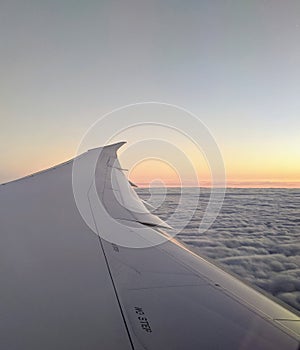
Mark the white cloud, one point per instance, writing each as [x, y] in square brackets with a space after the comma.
[256, 236]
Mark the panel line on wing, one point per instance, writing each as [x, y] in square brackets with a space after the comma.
[110, 273]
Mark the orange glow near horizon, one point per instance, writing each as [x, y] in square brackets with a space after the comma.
[156, 173]
[245, 166]
[229, 184]
[241, 170]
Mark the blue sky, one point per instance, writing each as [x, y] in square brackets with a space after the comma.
[236, 64]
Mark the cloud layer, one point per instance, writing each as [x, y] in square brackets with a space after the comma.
[256, 235]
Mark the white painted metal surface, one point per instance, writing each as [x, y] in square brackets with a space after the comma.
[65, 287]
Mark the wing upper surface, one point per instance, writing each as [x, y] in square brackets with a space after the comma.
[66, 287]
[56, 291]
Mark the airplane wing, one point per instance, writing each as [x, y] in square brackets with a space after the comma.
[113, 280]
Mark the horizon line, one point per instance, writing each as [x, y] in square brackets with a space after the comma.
[228, 184]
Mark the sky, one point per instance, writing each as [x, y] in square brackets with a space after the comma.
[234, 64]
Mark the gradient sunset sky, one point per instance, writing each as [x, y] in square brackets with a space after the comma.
[235, 64]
